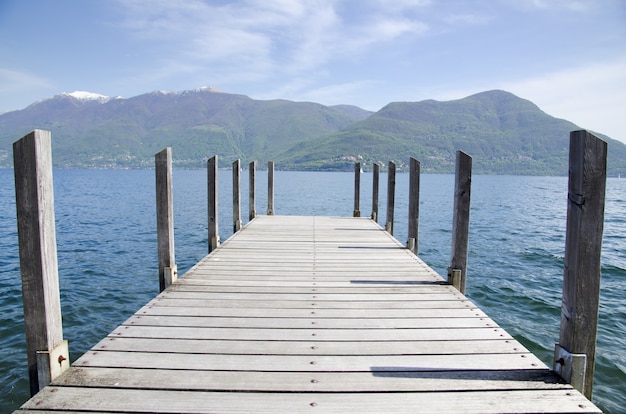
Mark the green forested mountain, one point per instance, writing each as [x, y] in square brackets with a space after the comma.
[503, 133]
[119, 133]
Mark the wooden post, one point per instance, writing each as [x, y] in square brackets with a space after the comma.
[375, 180]
[252, 190]
[581, 275]
[270, 188]
[236, 196]
[165, 219]
[214, 235]
[391, 194]
[357, 190]
[414, 205]
[457, 272]
[47, 352]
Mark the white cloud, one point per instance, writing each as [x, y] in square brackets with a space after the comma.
[389, 29]
[576, 6]
[313, 42]
[256, 40]
[340, 93]
[471, 19]
[591, 96]
[399, 6]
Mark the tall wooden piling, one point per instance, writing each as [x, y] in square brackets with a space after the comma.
[214, 235]
[270, 188]
[457, 272]
[375, 182]
[47, 352]
[581, 275]
[414, 205]
[165, 218]
[236, 196]
[357, 190]
[391, 195]
[252, 190]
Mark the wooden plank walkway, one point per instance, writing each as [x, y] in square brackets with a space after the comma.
[309, 314]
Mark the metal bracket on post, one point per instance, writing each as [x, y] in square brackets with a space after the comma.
[410, 244]
[215, 241]
[171, 274]
[454, 278]
[51, 364]
[571, 367]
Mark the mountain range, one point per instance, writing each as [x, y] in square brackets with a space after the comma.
[503, 133]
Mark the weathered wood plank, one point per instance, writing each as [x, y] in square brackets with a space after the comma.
[383, 313]
[321, 277]
[375, 188]
[34, 196]
[310, 363]
[460, 219]
[252, 190]
[414, 206]
[237, 223]
[212, 197]
[380, 381]
[288, 347]
[311, 305]
[270, 188]
[357, 190]
[317, 297]
[303, 334]
[355, 289]
[222, 281]
[297, 313]
[318, 323]
[132, 400]
[165, 218]
[391, 196]
[583, 245]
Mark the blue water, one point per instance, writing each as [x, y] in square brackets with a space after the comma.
[106, 235]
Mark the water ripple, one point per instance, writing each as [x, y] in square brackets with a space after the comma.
[106, 235]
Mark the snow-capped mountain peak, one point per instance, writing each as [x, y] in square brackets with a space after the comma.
[87, 96]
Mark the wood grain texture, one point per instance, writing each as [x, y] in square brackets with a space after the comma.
[323, 314]
[236, 195]
[461, 217]
[212, 200]
[165, 215]
[34, 196]
[375, 188]
[414, 206]
[583, 246]
[357, 190]
[252, 190]
[391, 196]
[270, 188]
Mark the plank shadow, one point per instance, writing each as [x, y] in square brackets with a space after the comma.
[353, 229]
[372, 247]
[526, 375]
[396, 282]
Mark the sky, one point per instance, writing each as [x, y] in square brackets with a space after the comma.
[568, 57]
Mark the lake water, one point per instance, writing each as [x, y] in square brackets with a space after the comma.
[106, 235]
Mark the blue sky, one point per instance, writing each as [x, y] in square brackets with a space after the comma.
[568, 57]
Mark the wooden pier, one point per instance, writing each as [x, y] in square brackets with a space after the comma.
[310, 314]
